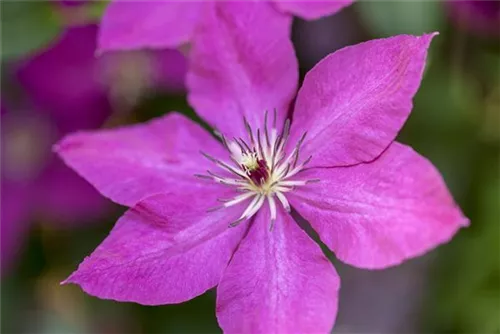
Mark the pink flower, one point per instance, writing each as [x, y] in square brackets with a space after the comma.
[168, 24]
[374, 202]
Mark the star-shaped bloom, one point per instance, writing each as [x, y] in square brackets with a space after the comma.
[209, 212]
[130, 25]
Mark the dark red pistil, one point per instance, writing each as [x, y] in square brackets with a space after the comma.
[259, 175]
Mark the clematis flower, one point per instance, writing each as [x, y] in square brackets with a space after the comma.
[207, 212]
[130, 25]
[478, 16]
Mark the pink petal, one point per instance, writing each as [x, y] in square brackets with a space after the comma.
[133, 162]
[64, 81]
[167, 249]
[312, 10]
[128, 25]
[63, 198]
[378, 214]
[170, 70]
[278, 281]
[242, 63]
[354, 102]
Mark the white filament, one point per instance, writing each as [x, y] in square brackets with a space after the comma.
[269, 147]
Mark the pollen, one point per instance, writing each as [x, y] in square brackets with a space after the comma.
[250, 161]
[262, 171]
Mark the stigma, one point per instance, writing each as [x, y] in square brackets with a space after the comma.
[260, 169]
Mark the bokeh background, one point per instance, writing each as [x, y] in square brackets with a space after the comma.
[53, 84]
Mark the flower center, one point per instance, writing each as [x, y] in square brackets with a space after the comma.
[260, 170]
[255, 168]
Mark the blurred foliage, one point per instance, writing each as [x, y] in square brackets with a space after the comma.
[387, 18]
[95, 9]
[467, 281]
[27, 27]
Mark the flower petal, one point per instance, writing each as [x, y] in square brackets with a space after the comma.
[170, 70]
[378, 214]
[131, 163]
[242, 63]
[354, 102]
[167, 249]
[128, 25]
[278, 281]
[63, 198]
[312, 10]
[64, 81]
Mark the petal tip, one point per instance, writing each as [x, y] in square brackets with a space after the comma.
[465, 222]
[430, 36]
[67, 281]
[64, 144]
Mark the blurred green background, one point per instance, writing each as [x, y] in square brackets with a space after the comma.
[455, 123]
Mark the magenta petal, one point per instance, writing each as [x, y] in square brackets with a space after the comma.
[354, 102]
[128, 25]
[133, 162]
[167, 249]
[66, 199]
[278, 281]
[378, 214]
[170, 70]
[311, 10]
[242, 63]
[64, 81]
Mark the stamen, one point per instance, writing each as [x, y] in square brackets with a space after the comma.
[297, 148]
[201, 176]
[253, 207]
[266, 131]
[215, 208]
[283, 189]
[236, 222]
[263, 169]
[223, 200]
[223, 165]
[283, 201]
[238, 199]
[293, 183]
[243, 151]
[285, 172]
[256, 207]
[259, 144]
[225, 180]
[272, 207]
[295, 158]
[286, 131]
[307, 161]
[249, 130]
[246, 145]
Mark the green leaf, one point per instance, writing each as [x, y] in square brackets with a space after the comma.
[26, 27]
[387, 18]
